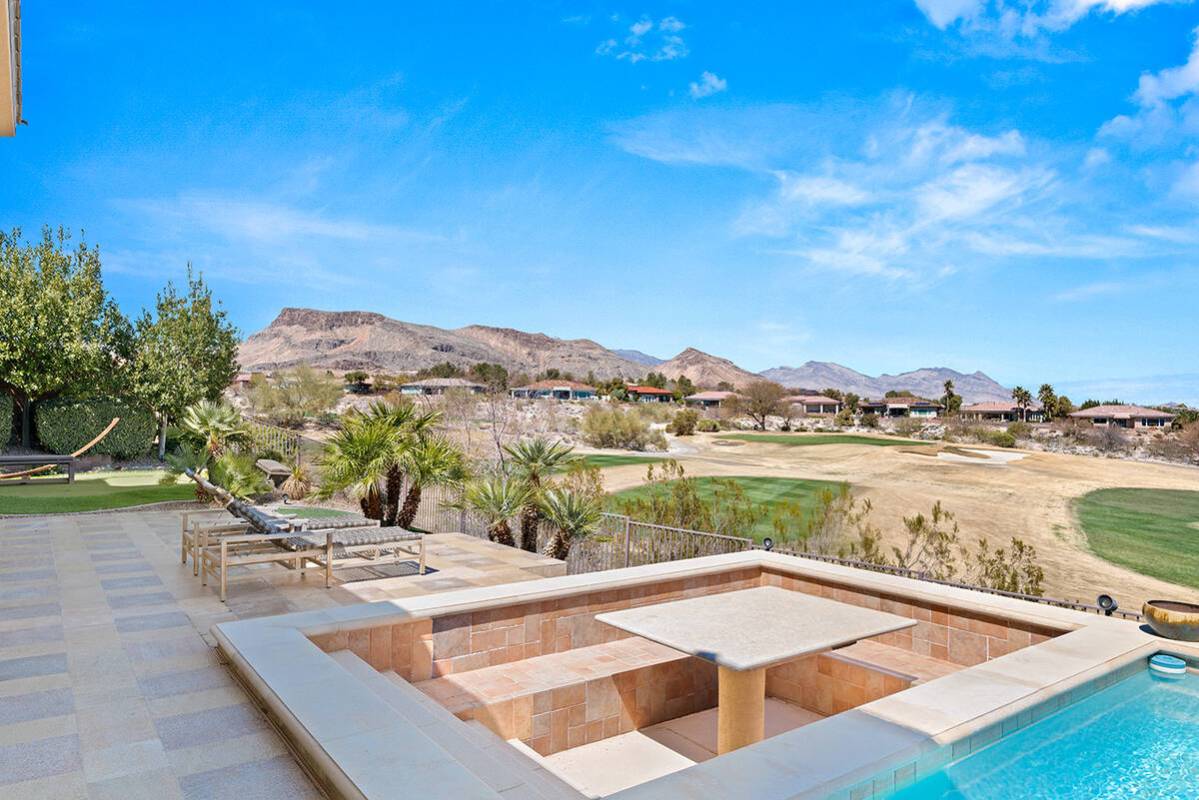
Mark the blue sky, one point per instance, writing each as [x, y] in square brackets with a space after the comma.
[1008, 187]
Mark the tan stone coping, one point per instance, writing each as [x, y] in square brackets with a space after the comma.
[363, 748]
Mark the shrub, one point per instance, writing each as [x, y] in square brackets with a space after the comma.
[6, 419]
[684, 422]
[237, 474]
[654, 412]
[295, 395]
[66, 424]
[844, 418]
[707, 425]
[612, 427]
[869, 420]
[1001, 439]
[908, 426]
[1020, 430]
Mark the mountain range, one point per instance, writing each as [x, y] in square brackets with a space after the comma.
[363, 340]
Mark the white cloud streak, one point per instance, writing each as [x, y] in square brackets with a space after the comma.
[709, 84]
[647, 40]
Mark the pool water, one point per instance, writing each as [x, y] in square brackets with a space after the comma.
[1138, 738]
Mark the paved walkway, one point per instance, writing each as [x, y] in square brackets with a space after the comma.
[109, 684]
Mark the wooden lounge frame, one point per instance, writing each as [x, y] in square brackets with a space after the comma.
[248, 536]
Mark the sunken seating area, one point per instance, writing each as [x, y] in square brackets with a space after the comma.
[563, 700]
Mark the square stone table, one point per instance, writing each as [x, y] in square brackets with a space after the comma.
[744, 633]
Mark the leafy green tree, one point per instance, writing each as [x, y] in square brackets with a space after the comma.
[725, 386]
[574, 516]
[684, 422]
[655, 379]
[851, 401]
[1023, 399]
[683, 387]
[493, 376]
[533, 460]
[59, 331]
[184, 353]
[1063, 408]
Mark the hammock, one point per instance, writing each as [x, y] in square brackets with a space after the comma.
[76, 454]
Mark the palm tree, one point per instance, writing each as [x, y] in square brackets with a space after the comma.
[429, 462]
[948, 395]
[359, 459]
[1023, 399]
[216, 425]
[497, 499]
[409, 425]
[533, 460]
[574, 515]
[1048, 399]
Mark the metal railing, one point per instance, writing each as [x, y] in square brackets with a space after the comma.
[624, 542]
[271, 437]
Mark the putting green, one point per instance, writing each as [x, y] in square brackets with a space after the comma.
[1152, 531]
[770, 492]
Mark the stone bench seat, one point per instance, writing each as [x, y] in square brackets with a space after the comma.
[460, 692]
[917, 668]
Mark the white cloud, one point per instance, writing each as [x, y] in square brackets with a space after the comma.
[647, 40]
[1096, 157]
[1008, 28]
[709, 84]
[896, 190]
[943, 13]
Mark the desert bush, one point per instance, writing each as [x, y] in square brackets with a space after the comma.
[707, 425]
[654, 412]
[625, 430]
[1020, 430]
[66, 424]
[908, 426]
[844, 418]
[869, 420]
[299, 483]
[684, 422]
[294, 395]
[1107, 439]
[1000, 438]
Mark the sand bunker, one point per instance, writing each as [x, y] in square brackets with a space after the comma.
[992, 458]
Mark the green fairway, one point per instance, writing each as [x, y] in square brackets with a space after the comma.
[770, 492]
[809, 439]
[1152, 531]
[603, 460]
[93, 491]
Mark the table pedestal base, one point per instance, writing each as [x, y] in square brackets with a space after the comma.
[742, 708]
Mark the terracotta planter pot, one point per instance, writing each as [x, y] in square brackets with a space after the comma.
[1172, 619]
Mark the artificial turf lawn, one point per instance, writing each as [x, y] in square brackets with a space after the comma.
[310, 512]
[92, 491]
[771, 492]
[807, 439]
[1152, 531]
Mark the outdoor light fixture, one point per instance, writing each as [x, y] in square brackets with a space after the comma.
[1107, 603]
[768, 544]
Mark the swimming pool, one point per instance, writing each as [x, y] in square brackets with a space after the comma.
[1138, 738]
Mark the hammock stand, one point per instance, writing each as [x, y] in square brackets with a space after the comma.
[27, 472]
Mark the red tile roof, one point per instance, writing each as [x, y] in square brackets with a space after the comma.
[1122, 412]
[635, 389]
